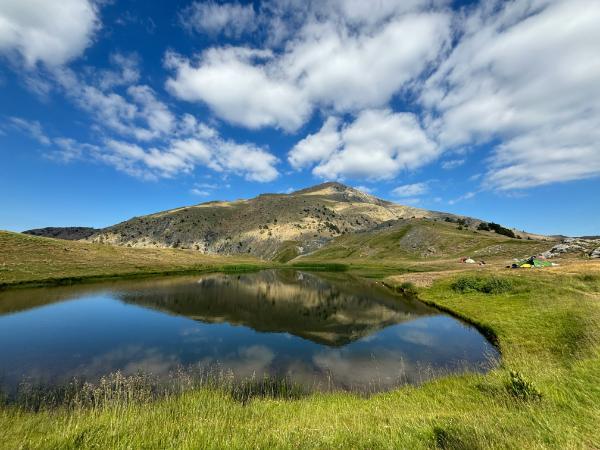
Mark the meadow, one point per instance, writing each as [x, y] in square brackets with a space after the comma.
[544, 394]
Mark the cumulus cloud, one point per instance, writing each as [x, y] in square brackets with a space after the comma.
[378, 144]
[239, 88]
[525, 73]
[347, 71]
[333, 61]
[318, 146]
[209, 17]
[50, 32]
[140, 135]
[410, 190]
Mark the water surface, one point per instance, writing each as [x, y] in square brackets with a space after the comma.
[324, 331]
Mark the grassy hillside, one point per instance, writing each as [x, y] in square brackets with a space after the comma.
[264, 226]
[548, 326]
[424, 240]
[413, 244]
[31, 259]
[280, 227]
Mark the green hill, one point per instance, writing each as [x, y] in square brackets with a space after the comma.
[424, 239]
[327, 220]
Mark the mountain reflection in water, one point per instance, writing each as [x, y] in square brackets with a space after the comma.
[334, 312]
[322, 330]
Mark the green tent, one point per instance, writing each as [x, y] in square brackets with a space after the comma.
[541, 263]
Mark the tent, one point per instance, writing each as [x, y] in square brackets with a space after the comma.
[533, 261]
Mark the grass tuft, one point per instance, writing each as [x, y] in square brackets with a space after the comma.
[485, 285]
[267, 387]
[521, 388]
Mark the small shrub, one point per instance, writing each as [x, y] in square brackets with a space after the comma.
[492, 285]
[521, 388]
[407, 288]
[483, 226]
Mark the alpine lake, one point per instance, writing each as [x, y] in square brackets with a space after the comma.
[325, 331]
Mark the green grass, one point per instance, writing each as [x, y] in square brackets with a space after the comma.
[416, 240]
[31, 260]
[320, 267]
[483, 284]
[545, 394]
[287, 251]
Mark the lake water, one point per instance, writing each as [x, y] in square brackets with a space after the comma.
[322, 330]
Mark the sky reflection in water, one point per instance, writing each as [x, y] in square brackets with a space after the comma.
[326, 330]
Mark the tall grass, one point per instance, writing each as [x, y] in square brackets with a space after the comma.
[120, 390]
[485, 285]
[533, 325]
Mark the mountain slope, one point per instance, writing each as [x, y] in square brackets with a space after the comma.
[33, 259]
[271, 226]
[423, 239]
[66, 233]
[324, 220]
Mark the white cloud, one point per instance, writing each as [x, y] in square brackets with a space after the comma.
[525, 73]
[410, 190]
[452, 164]
[229, 19]
[199, 192]
[139, 115]
[254, 163]
[157, 114]
[317, 147]
[239, 88]
[333, 61]
[69, 150]
[466, 196]
[179, 155]
[51, 32]
[127, 73]
[378, 144]
[32, 127]
[348, 71]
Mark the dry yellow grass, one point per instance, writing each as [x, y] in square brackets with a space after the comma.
[32, 259]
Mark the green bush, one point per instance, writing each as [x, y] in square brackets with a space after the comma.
[483, 226]
[407, 288]
[521, 388]
[491, 285]
[501, 230]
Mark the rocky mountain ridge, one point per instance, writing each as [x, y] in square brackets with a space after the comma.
[263, 226]
[282, 227]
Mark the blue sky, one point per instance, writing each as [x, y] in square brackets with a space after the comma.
[112, 109]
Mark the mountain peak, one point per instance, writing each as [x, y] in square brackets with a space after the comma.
[340, 192]
[330, 186]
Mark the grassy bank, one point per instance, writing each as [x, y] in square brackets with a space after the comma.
[545, 394]
[31, 260]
